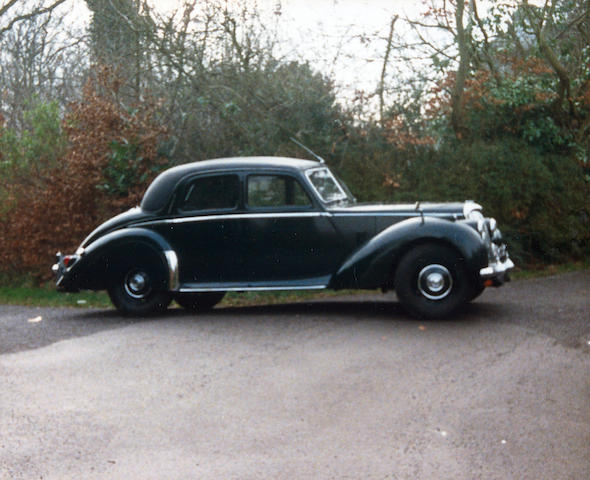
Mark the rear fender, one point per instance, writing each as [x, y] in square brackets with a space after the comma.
[373, 264]
[102, 257]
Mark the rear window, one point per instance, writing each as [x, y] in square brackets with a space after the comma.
[216, 192]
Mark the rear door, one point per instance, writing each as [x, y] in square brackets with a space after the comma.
[204, 232]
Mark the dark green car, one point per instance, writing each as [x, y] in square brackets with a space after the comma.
[268, 223]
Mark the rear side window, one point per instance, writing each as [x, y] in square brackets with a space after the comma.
[216, 192]
[276, 191]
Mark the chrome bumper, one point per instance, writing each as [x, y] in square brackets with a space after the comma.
[497, 270]
[60, 271]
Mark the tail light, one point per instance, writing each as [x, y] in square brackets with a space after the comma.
[69, 260]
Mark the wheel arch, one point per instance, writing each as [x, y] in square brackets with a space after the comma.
[407, 247]
[375, 263]
[107, 255]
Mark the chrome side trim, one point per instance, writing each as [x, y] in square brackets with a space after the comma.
[243, 216]
[173, 278]
[235, 216]
[411, 214]
[221, 288]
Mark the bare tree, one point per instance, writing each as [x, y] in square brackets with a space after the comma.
[381, 87]
[12, 12]
[444, 34]
[121, 33]
[41, 59]
[462, 38]
[539, 21]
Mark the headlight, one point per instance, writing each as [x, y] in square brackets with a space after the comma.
[472, 210]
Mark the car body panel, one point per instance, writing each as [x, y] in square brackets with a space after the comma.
[371, 266]
[96, 261]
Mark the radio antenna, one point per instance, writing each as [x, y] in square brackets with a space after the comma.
[308, 150]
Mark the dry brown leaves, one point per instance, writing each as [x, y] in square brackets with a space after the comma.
[58, 212]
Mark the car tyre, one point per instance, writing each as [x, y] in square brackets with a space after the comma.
[198, 301]
[135, 292]
[431, 281]
[476, 292]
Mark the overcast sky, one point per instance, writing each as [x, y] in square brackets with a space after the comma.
[328, 34]
[345, 39]
[341, 37]
[331, 32]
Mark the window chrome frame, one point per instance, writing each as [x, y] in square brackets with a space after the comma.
[311, 171]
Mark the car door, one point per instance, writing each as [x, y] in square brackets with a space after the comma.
[287, 240]
[203, 231]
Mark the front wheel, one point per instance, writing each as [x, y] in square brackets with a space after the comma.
[476, 292]
[431, 281]
[135, 292]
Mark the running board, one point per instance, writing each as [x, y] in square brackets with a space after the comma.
[248, 287]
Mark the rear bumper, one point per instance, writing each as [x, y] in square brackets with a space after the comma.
[62, 274]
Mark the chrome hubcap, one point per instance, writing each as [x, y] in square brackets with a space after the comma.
[435, 282]
[137, 284]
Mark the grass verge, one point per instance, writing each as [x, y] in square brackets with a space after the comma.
[48, 296]
[543, 270]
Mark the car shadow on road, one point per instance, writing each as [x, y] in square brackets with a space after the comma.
[352, 309]
[365, 310]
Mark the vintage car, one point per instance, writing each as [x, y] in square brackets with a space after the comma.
[269, 223]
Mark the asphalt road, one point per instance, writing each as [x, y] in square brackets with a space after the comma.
[348, 388]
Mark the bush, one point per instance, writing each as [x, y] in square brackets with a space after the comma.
[540, 200]
[36, 148]
[87, 185]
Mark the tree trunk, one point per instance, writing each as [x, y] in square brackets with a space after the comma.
[462, 38]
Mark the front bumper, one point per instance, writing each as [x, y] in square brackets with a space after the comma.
[497, 271]
[499, 264]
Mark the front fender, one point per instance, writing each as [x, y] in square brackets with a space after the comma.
[92, 269]
[373, 264]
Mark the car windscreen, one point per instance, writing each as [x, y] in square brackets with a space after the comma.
[326, 185]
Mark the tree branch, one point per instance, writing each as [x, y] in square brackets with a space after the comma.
[486, 44]
[25, 16]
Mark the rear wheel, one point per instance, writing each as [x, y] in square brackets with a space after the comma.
[198, 301]
[431, 281]
[136, 291]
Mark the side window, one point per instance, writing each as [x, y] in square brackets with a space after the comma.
[215, 192]
[276, 191]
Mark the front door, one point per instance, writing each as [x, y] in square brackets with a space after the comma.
[286, 240]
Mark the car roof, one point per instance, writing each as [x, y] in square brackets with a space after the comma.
[158, 193]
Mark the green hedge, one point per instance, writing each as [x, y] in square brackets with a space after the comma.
[539, 200]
